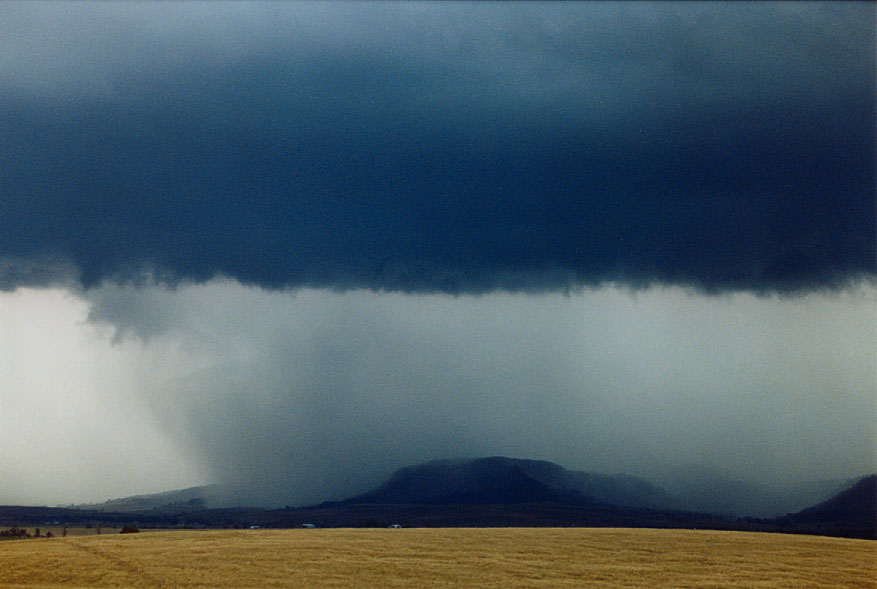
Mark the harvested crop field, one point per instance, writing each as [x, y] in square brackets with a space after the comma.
[471, 557]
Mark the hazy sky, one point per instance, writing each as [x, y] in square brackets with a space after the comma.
[290, 247]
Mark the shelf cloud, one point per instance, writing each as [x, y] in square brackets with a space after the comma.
[457, 148]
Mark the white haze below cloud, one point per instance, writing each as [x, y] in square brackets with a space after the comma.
[294, 397]
[73, 421]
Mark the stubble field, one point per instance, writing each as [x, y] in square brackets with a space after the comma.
[470, 557]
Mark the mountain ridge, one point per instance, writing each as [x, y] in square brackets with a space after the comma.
[857, 503]
[499, 479]
[177, 499]
[503, 480]
[484, 492]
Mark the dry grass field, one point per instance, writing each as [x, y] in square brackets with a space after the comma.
[505, 557]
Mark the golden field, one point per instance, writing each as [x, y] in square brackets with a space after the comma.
[461, 557]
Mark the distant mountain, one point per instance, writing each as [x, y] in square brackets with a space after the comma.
[501, 480]
[859, 502]
[852, 510]
[837, 507]
[179, 500]
[494, 491]
[804, 494]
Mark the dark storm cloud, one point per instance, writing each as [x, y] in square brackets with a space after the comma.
[457, 148]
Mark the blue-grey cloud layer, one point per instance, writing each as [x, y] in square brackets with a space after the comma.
[457, 148]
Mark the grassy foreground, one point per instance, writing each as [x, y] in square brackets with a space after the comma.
[475, 557]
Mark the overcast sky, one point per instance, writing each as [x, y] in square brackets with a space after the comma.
[290, 247]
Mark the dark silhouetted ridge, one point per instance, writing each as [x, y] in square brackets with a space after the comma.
[481, 481]
[500, 480]
[854, 511]
[859, 502]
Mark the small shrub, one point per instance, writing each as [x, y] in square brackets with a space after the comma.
[129, 530]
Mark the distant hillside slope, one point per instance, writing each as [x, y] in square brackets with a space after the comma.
[859, 502]
[501, 480]
[805, 494]
[177, 500]
[854, 509]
